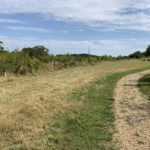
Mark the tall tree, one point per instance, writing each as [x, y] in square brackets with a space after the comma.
[1, 46]
[37, 51]
[147, 52]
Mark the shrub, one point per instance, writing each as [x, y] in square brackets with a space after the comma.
[18, 63]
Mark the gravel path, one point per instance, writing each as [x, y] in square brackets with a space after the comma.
[132, 115]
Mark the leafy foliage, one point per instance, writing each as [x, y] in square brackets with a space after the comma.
[139, 54]
[147, 52]
[1, 47]
[18, 63]
[33, 59]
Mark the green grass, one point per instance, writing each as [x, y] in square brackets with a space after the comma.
[92, 127]
[144, 85]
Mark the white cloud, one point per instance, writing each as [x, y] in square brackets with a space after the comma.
[34, 29]
[98, 47]
[27, 29]
[113, 14]
[7, 20]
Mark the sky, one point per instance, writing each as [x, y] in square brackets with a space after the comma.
[112, 27]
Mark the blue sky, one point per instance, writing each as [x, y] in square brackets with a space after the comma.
[114, 27]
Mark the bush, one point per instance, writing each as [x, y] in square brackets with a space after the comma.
[18, 63]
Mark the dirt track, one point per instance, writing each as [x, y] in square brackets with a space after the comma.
[132, 115]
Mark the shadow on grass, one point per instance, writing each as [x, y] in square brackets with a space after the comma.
[144, 85]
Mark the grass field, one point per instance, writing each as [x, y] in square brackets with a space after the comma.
[52, 111]
[144, 85]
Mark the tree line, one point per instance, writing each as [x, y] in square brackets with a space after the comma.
[37, 58]
[139, 54]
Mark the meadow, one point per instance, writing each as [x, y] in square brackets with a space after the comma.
[70, 109]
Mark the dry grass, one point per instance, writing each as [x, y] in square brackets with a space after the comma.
[28, 104]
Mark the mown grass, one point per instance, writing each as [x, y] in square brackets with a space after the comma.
[92, 127]
[144, 85]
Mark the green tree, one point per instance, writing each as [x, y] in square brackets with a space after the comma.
[147, 52]
[1, 47]
[37, 51]
[136, 54]
[40, 51]
[29, 51]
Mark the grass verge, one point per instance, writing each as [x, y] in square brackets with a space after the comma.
[144, 85]
[92, 127]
